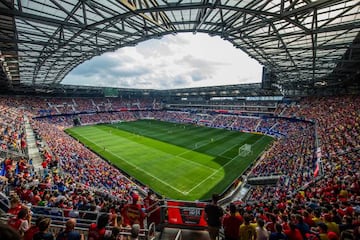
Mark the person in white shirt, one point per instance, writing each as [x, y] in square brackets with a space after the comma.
[261, 232]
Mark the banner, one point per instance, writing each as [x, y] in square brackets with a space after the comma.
[186, 213]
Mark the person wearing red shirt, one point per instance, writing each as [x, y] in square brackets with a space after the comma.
[293, 233]
[133, 213]
[308, 219]
[97, 231]
[231, 223]
[15, 206]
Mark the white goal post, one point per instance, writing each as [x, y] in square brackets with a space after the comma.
[245, 150]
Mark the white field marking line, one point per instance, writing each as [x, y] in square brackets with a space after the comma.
[178, 156]
[135, 135]
[216, 171]
[221, 154]
[187, 151]
[197, 185]
[196, 163]
[142, 170]
[205, 179]
[173, 129]
[215, 140]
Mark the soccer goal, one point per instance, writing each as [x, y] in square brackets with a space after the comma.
[245, 150]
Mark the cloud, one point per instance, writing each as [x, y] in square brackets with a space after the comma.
[199, 62]
[154, 48]
[199, 75]
[94, 66]
[180, 61]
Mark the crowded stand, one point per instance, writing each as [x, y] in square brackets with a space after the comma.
[305, 203]
[12, 130]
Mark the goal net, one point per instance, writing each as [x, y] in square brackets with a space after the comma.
[245, 150]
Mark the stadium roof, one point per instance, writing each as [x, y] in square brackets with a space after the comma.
[303, 43]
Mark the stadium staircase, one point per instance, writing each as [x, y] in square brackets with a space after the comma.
[183, 234]
[33, 150]
[258, 124]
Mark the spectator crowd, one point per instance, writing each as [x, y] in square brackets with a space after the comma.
[77, 184]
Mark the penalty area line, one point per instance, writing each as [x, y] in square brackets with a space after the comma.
[136, 167]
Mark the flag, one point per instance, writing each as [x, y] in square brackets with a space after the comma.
[318, 158]
[317, 168]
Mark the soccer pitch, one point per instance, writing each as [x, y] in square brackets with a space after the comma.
[178, 161]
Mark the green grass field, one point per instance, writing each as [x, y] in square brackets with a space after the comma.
[184, 162]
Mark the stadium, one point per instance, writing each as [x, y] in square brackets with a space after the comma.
[129, 163]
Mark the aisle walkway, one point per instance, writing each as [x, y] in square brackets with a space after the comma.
[33, 150]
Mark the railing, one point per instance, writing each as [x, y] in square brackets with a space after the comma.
[56, 227]
[4, 202]
[178, 235]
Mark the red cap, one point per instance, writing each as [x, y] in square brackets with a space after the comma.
[135, 197]
[332, 236]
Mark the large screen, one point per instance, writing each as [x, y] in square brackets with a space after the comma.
[111, 92]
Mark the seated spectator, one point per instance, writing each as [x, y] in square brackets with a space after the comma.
[69, 233]
[29, 234]
[21, 222]
[44, 233]
[115, 234]
[15, 205]
[98, 231]
[135, 230]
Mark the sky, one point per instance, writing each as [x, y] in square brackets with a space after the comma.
[175, 61]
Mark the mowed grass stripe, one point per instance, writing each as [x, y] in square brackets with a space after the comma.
[181, 135]
[148, 145]
[152, 161]
[194, 161]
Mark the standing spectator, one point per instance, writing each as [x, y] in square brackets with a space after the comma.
[133, 212]
[325, 234]
[247, 231]
[293, 233]
[213, 215]
[261, 232]
[303, 227]
[44, 233]
[332, 226]
[278, 234]
[69, 233]
[231, 223]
